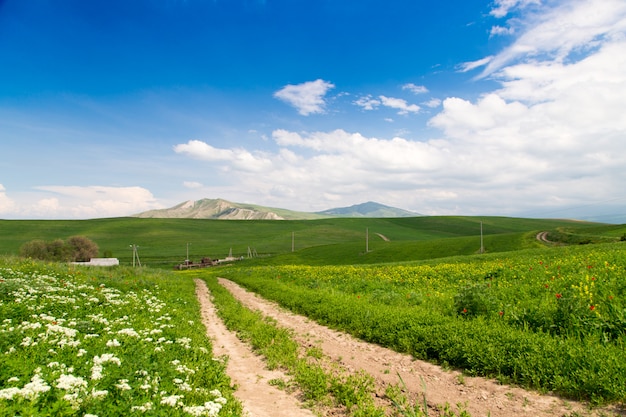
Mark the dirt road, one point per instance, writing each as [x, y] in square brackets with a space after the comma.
[481, 397]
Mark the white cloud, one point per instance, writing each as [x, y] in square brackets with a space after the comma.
[238, 157]
[80, 202]
[401, 105]
[500, 30]
[432, 103]
[550, 136]
[504, 7]
[7, 205]
[307, 97]
[415, 89]
[571, 27]
[367, 102]
[468, 66]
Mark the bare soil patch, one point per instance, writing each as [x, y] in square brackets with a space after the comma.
[479, 396]
[247, 370]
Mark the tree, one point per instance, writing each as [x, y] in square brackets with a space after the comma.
[59, 251]
[77, 249]
[82, 248]
[35, 249]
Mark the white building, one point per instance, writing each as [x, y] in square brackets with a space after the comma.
[99, 262]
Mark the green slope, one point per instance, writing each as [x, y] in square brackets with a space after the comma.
[163, 242]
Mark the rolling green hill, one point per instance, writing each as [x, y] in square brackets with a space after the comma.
[164, 242]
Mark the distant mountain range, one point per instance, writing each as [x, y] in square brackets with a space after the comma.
[369, 209]
[226, 210]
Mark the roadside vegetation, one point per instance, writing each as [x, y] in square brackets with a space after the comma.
[550, 319]
[324, 385]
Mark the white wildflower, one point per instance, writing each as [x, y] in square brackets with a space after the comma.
[143, 408]
[172, 400]
[128, 332]
[185, 342]
[98, 394]
[34, 387]
[107, 357]
[123, 385]
[9, 393]
[113, 343]
[71, 382]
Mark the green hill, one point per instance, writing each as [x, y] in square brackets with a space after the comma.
[164, 242]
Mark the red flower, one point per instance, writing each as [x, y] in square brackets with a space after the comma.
[464, 310]
[501, 313]
[592, 307]
[547, 286]
[558, 295]
[610, 297]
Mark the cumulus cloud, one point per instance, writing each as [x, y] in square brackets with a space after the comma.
[500, 30]
[401, 105]
[367, 102]
[432, 103]
[78, 202]
[415, 89]
[307, 98]
[550, 135]
[7, 205]
[238, 157]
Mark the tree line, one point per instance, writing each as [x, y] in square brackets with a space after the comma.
[74, 249]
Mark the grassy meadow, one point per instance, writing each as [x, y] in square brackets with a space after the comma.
[129, 341]
[102, 342]
[547, 319]
[163, 243]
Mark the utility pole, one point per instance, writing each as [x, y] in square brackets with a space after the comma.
[187, 258]
[135, 255]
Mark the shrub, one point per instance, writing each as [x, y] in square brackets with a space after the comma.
[83, 249]
[77, 248]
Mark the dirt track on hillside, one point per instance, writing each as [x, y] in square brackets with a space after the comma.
[481, 397]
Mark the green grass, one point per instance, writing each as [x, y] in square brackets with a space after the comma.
[163, 242]
[115, 341]
[426, 291]
[549, 319]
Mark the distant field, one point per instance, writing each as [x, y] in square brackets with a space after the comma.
[164, 242]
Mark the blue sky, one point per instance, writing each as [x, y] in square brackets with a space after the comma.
[503, 107]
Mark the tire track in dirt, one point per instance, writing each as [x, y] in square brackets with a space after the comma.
[481, 397]
[246, 370]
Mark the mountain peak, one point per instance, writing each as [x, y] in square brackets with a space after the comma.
[207, 208]
[368, 209]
